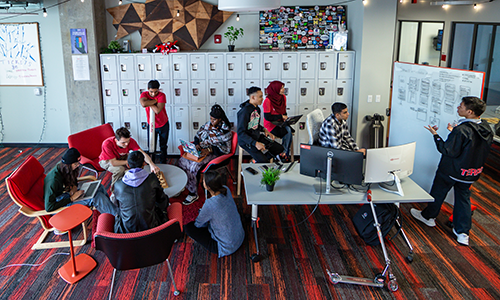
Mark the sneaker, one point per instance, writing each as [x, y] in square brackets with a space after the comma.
[462, 238]
[190, 199]
[58, 232]
[417, 214]
[112, 198]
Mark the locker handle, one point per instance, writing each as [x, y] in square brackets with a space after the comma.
[321, 91]
[230, 92]
[111, 123]
[302, 125]
[178, 125]
[127, 125]
[212, 67]
[322, 66]
[141, 90]
[303, 91]
[144, 125]
[158, 67]
[194, 67]
[195, 92]
[230, 66]
[177, 67]
[304, 66]
[286, 91]
[124, 68]
[141, 67]
[249, 66]
[125, 92]
[342, 66]
[232, 124]
[246, 91]
[196, 125]
[213, 92]
[267, 66]
[286, 66]
[340, 91]
[106, 68]
[177, 92]
[108, 92]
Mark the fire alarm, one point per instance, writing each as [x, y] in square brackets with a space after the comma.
[217, 39]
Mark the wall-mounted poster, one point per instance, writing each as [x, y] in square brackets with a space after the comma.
[20, 60]
[78, 40]
[301, 27]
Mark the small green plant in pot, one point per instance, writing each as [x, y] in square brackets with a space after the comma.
[269, 178]
[115, 47]
[232, 34]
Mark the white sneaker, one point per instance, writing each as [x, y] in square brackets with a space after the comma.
[190, 199]
[57, 232]
[462, 238]
[417, 214]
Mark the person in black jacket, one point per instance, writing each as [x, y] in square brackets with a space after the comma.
[252, 136]
[140, 197]
[463, 155]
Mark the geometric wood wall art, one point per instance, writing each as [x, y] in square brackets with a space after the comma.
[157, 22]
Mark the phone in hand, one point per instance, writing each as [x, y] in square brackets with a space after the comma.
[251, 171]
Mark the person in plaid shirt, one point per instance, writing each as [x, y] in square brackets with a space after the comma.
[334, 132]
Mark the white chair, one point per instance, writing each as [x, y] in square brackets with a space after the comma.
[314, 120]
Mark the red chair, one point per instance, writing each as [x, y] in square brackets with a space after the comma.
[126, 251]
[89, 144]
[25, 187]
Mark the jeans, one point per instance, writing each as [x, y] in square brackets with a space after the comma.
[100, 201]
[202, 236]
[162, 133]
[274, 149]
[285, 134]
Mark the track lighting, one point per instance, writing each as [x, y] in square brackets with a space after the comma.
[475, 6]
[237, 17]
[44, 12]
[365, 2]
[178, 12]
[120, 2]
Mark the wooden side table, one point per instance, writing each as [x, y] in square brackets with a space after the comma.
[66, 220]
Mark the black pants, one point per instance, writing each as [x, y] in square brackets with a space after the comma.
[162, 133]
[462, 221]
[202, 236]
[273, 149]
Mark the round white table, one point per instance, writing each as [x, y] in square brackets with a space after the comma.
[176, 178]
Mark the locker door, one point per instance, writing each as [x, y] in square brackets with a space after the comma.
[143, 67]
[271, 66]
[198, 92]
[128, 94]
[112, 116]
[180, 126]
[233, 66]
[108, 67]
[265, 84]
[325, 91]
[289, 66]
[291, 110]
[326, 109]
[161, 67]
[179, 65]
[180, 92]
[199, 117]
[234, 93]
[197, 66]
[307, 92]
[300, 128]
[166, 89]
[291, 91]
[216, 66]
[110, 93]
[129, 120]
[343, 91]
[142, 136]
[171, 144]
[232, 115]
[307, 66]
[252, 66]
[327, 65]
[345, 67]
[126, 67]
[216, 91]
[143, 86]
[249, 84]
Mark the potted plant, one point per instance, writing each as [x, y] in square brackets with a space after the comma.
[269, 178]
[232, 34]
[115, 47]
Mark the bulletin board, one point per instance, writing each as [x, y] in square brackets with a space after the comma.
[300, 27]
[20, 60]
[426, 95]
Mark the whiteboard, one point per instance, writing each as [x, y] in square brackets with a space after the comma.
[426, 95]
[20, 62]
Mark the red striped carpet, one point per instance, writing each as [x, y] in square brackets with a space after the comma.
[294, 261]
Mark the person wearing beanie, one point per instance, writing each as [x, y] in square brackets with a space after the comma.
[213, 139]
[61, 187]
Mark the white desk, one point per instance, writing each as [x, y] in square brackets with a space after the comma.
[176, 178]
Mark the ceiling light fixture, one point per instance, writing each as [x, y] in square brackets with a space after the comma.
[237, 17]
[178, 12]
[248, 5]
[365, 2]
[44, 12]
[120, 2]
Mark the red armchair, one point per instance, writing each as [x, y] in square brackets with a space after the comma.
[126, 251]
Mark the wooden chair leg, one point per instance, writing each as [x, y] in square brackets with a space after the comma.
[291, 150]
[40, 245]
[240, 161]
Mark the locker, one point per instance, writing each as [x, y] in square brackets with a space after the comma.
[180, 92]
[343, 91]
[197, 66]
[180, 66]
[232, 115]
[164, 88]
[161, 67]
[110, 93]
[234, 92]
[345, 66]
[179, 128]
[307, 92]
[289, 65]
[327, 65]
[128, 93]
[249, 84]
[307, 65]
[198, 91]
[199, 116]
[216, 66]
[271, 66]
[144, 69]
[108, 67]
[326, 109]
[126, 67]
[325, 91]
[171, 144]
[291, 91]
[129, 120]
[291, 111]
[252, 66]
[216, 91]
[265, 84]
[300, 127]
[112, 116]
[142, 135]
[233, 66]
[143, 86]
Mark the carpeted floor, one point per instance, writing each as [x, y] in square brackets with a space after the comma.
[294, 261]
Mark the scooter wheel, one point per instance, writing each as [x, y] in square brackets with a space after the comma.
[379, 278]
[392, 285]
[255, 257]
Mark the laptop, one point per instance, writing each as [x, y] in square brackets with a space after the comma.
[90, 188]
[290, 121]
[190, 148]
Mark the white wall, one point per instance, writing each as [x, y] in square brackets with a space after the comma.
[22, 111]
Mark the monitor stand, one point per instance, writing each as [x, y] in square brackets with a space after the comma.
[319, 189]
[395, 187]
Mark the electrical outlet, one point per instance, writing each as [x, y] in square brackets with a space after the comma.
[377, 98]
[370, 98]
[38, 91]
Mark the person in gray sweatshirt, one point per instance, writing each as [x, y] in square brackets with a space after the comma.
[218, 226]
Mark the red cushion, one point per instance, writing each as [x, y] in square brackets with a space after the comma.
[89, 142]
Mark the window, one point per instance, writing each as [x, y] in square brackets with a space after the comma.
[420, 42]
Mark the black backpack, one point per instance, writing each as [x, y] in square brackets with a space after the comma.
[387, 214]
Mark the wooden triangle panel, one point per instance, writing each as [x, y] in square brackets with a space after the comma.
[193, 32]
[185, 40]
[118, 12]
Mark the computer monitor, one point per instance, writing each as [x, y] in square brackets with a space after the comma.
[331, 164]
[387, 166]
